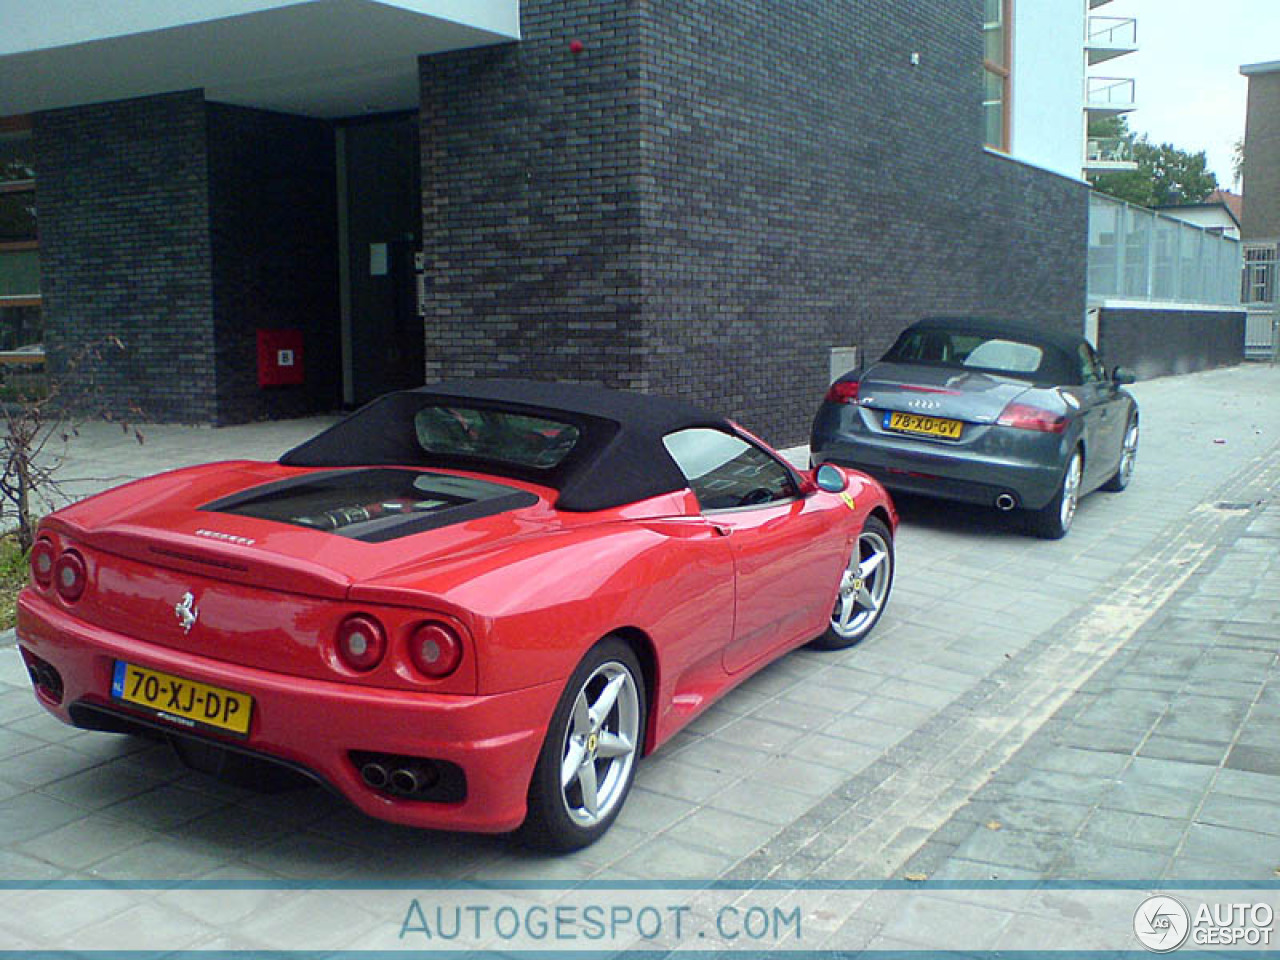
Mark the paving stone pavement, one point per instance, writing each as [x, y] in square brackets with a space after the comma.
[1094, 708]
[1161, 768]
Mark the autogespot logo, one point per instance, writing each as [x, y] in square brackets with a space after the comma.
[1161, 924]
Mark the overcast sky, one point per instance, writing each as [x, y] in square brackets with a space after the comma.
[1189, 88]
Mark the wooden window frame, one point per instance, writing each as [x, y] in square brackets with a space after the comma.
[19, 124]
[1005, 72]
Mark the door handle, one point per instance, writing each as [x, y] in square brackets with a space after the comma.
[721, 530]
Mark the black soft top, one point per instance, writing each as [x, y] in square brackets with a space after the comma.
[619, 458]
[1061, 361]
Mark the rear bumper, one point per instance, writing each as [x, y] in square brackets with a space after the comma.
[316, 725]
[969, 474]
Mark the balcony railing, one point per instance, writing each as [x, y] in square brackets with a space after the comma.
[1110, 37]
[1109, 150]
[1113, 31]
[1110, 94]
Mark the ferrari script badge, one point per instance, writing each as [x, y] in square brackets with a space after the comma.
[186, 612]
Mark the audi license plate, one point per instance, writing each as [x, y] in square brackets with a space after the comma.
[923, 426]
[184, 702]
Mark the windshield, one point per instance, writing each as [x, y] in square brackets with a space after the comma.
[494, 435]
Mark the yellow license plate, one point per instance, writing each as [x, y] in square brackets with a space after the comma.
[187, 703]
[923, 426]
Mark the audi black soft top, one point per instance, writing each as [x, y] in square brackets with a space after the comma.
[1059, 363]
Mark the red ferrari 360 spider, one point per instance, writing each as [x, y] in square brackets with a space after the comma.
[471, 606]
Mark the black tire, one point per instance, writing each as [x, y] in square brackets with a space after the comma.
[863, 592]
[1053, 520]
[1128, 458]
[560, 818]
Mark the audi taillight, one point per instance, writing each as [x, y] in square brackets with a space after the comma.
[361, 642]
[435, 649]
[843, 391]
[1024, 416]
[70, 576]
[43, 558]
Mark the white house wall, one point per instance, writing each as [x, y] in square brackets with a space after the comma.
[1048, 84]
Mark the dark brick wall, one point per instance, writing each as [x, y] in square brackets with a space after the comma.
[273, 215]
[1262, 159]
[1156, 343]
[181, 227]
[701, 203]
[811, 187]
[122, 190]
[715, 192]
[530, 169]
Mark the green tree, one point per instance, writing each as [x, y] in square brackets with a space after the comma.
[1165, 175]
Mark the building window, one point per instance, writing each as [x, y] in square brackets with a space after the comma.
[1260, 263]
[19, 247]
[997, 72]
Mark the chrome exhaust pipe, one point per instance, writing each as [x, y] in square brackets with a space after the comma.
[411, 779]
[375, 775]
[1006, 502]
[405, 780]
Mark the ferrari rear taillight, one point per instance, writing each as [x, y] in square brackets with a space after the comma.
[435, 650]
[843, 391]
[43, 557]
[70, 576]
[1024, 416]
[361, 642]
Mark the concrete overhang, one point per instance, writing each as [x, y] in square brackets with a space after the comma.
[323, 58]
[1252, 69]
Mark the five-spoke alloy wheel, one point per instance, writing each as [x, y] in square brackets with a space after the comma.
[1128, 458]
[864, 588]
[588, 760]
[1054, 520]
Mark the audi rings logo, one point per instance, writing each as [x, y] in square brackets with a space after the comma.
[919, 404]
[1161, 924]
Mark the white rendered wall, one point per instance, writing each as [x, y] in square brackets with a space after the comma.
[1209, 217]
[1048, 84]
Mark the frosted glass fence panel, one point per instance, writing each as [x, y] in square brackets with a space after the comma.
[1137, 254]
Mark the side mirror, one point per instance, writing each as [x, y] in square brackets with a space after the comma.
[1122, 376]
[831, 478]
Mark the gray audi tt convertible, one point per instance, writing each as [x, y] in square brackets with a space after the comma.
[986, 412]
